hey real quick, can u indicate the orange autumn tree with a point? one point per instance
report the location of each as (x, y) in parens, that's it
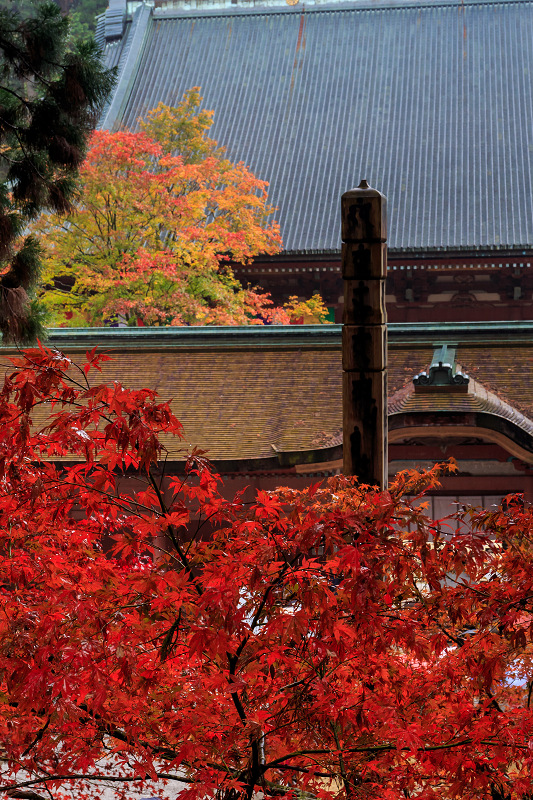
(156, 637)
(161, 216)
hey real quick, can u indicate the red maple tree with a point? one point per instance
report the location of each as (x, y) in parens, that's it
(319, 643)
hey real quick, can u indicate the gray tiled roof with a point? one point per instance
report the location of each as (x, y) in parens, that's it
(432, 103)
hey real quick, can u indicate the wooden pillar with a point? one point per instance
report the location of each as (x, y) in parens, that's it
(364, 334)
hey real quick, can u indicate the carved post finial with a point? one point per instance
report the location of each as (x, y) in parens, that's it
(364, 340)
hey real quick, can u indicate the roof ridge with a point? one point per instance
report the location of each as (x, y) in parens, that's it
(127, 67)
(328, 8)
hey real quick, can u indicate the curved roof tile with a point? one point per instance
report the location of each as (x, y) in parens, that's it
(477, 400)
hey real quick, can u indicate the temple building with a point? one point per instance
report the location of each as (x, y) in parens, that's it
(265, 402)
(430, 101)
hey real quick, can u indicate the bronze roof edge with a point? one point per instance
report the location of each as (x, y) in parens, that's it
(252, 336)
(283, 460)
(191, 337)
(317, 455)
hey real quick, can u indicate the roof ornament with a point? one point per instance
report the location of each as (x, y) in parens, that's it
(443, 372)
(115, 20)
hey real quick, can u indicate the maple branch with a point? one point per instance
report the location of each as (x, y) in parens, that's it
(260, 609)
(342, 767)
(111, 730)
(172, 531)
(232, 661)
(258, 768)
(123, 503)
(378, 748)
(389, 747)
(493, 702)
(102, 777)
(39, 735)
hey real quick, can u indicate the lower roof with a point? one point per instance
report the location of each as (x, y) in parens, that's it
(273, 395)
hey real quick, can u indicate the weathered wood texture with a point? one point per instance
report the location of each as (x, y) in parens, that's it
(364, 342)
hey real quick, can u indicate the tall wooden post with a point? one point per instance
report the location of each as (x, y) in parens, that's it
(364, 334)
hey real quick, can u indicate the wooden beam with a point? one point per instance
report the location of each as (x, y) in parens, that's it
(364, 340)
